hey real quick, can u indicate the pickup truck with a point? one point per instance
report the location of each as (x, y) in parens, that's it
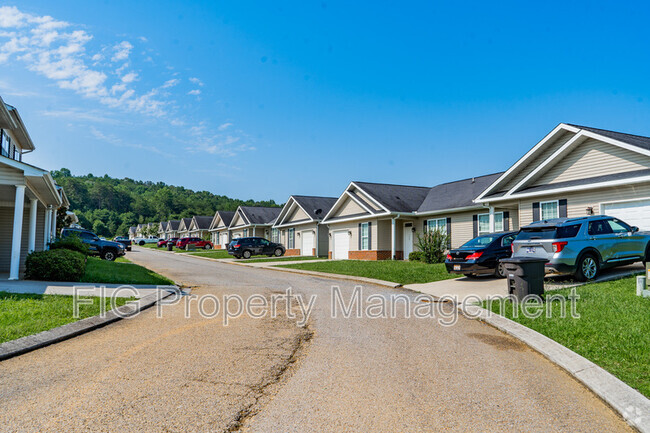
(107, 250)
(147, 240)
(124, 241)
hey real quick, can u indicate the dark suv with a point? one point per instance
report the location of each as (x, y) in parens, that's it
(247, 247)
(107, 250)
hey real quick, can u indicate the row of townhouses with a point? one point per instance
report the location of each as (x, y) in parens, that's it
(573, 171)
(29, 197)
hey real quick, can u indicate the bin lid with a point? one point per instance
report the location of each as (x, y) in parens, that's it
(524, 260)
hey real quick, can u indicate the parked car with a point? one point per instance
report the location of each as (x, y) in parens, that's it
(124, 241)
(148, 240)
(164, 242)
(247, 247)
(482, 255)
(184, 243)
(107, 250)
(582, 246)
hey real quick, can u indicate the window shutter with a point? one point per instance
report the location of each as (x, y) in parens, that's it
(506, 221)
(449, 232)
(536, 216)
(369, 235)
(562, 208)
(475, 224)
(424, 227)
(359, 236)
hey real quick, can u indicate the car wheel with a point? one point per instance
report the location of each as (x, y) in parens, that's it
(141, 243)
(587, 268)
(109, 255)
(500, 271)
(278, 252)
(246, 254)
(207, 247)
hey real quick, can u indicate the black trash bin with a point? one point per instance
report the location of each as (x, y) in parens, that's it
(525, 276)
(170, 246)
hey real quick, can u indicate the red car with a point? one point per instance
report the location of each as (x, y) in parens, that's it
(163, 242)
(183, 243)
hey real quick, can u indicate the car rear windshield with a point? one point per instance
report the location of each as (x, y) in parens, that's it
(481, 241)
(562, 232)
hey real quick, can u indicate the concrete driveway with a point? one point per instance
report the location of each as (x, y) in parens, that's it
(266, 375)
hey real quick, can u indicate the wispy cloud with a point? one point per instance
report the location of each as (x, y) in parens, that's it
(194, 92)
(122, 51)
(196, 81)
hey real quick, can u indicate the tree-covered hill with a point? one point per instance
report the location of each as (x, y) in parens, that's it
(110, 206)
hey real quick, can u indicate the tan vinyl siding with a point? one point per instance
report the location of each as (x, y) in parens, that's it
(11, 176)
(550, 148)
(594, 158)
(297, 215)
(237, 220)
(353, 226)
(349, 207)
(6, 233)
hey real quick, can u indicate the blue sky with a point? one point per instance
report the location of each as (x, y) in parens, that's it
(267, 99)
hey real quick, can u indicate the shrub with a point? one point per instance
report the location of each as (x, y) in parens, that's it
(71, 242)
(55, 265)
(416, 256)
(433, 245)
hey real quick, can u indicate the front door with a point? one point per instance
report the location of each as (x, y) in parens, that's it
(408, 239)
(307, 248)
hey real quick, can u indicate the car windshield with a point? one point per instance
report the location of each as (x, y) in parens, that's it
(563, 232)
(481, 241)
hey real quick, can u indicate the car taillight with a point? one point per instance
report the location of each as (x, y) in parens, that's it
(474, 256)
(449, 257)
(558, 246)
(236, 246)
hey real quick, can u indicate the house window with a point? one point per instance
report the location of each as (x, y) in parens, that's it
(245, 232)
(291, 238)
(4, 143)
(275, 235)
(365, 236)
(484, 223)
(439, 224)
(549, 209)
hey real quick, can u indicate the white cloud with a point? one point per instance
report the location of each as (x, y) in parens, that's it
(130, 77)
(224, 126)
(122, 51)
(196, 81)
(171, 83)
(194, 92)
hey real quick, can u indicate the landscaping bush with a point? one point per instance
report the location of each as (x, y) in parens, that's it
(71, 242)
(416, 256)
(55, 265)
(433, 245)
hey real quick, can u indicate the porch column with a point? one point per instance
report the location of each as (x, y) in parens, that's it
(48, 226)
(16, 240)
(31, 241)
(392, 239)
(492, 219)
(54, 212)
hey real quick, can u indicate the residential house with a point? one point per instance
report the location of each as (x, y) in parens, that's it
(253, 221)
(139, 230)
(132, 232)
(162, 228)
(184, 227)
(219, 228)
(200, 226)
(299, 226)
(171, 231)
(577, 171)
(29, 197)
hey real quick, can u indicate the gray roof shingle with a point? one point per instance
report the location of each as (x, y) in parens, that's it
(316, 207)
(260, 215)
(458, 194)
(634, 140)
(226, 216)
(173, 224)
(203, 222)
(396, 198)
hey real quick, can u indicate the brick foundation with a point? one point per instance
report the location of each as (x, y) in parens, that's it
(374, 255)
(292, 252)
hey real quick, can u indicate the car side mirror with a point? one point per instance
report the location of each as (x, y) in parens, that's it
(635, 229)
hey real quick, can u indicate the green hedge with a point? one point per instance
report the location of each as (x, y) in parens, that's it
(416, 256)
(71, 242)
(55, 265)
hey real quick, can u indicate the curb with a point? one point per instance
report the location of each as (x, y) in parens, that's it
(628, 402)
(29, 343)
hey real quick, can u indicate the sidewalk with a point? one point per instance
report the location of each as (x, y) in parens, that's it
(88, 289)
(461, 288)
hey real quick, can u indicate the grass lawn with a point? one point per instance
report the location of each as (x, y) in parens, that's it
(282, 259)
(398, 271)
(613, 330)
(154, 245)
(212, 254)
(120, 272)
(25, 314)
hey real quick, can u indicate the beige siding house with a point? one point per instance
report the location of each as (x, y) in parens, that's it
(171, 230)
(299, 226)
(200, 226)
(253, 221)
(184, 227)
(577, 171)
(219, 228)
(29, 197)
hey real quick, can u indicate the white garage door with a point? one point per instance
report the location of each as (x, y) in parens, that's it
(341, 245)
(307, 243)
(635, 213)
(224, 240)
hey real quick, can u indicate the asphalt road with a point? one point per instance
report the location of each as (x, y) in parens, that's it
(269, 375)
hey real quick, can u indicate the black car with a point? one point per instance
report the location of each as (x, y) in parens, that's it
(107, 250)
(124, 241)
(481, 255)
(247, 247)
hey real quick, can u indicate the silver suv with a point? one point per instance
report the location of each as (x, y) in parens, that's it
(582, 246)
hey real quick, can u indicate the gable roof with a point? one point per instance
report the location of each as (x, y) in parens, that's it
(395, 198)
(259, 215)
(226, 217)
(185, 224)
(172, 225)
(635, 140)
(201, 222)
(316, 207)
(457, 194)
